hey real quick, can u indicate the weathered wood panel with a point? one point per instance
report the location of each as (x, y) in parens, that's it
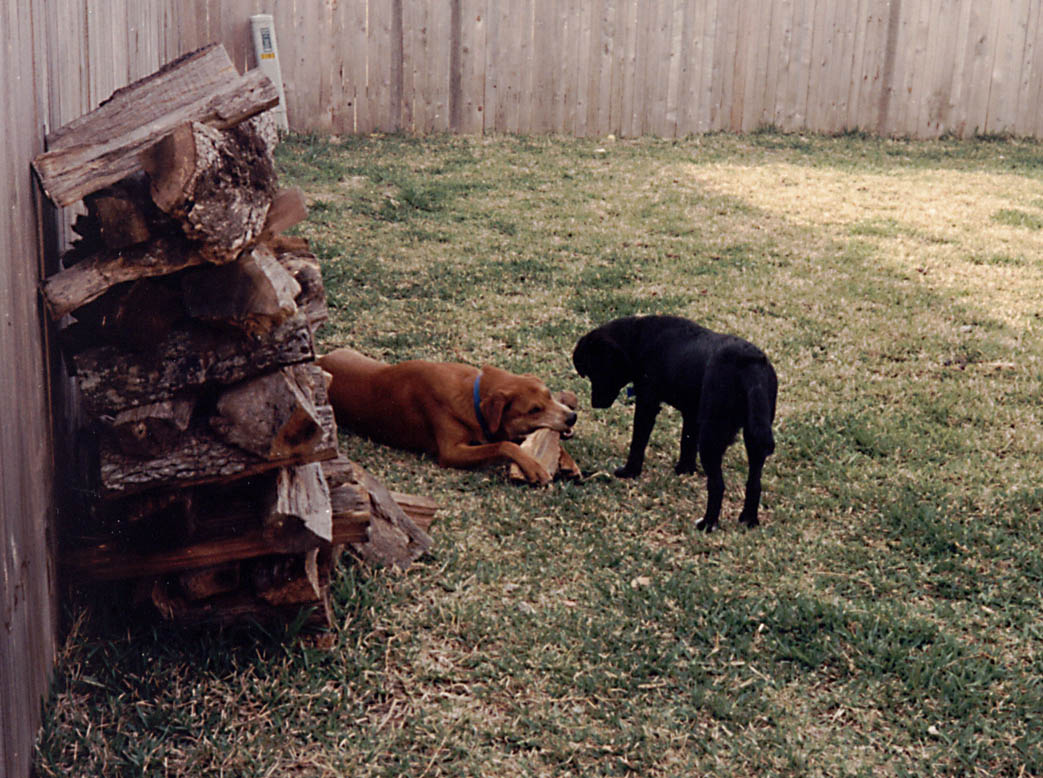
(58, 60)
(631, 67)
(27, 588)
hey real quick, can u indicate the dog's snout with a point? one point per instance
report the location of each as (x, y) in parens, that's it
(570, 418)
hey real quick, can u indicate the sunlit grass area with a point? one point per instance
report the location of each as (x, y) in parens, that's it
(885, 619)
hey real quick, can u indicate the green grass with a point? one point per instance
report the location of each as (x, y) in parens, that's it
(886, 617)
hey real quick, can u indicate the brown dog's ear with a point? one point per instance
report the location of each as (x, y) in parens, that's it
(567, 398)
(493, 407)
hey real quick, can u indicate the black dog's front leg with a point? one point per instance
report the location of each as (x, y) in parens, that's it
(644, 419)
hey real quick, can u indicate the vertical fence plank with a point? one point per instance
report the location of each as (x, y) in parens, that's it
(473, 53)
(573, 30)
(615, 17)
(819, 73)
(1006, 72)
(789, 66)
(1030, 121)
(586, 16)
(378, 64)
(983, 37)
(857, 80)
(758, 37)
(600, 67)
(628, 26)
(844, 23)
(540, 93)
(342, 115)
(933, 108)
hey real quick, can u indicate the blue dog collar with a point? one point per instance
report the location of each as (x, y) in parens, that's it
(478, 407)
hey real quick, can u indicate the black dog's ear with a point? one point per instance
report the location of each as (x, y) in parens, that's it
(602, 355)
(596, 349)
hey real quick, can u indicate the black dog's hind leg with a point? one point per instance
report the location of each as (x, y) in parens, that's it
(644, 419)
(689, 445)
(711, 456)
(757, 452)
(759, 440)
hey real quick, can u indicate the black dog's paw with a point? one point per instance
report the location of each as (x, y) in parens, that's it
(705, 526)
(684, 468)
(749, 521)
(626, 472)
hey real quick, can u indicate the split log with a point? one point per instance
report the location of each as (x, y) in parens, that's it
(392, 538)
(104, 145)
(122, 214)
(232, 608)
(255, 293)
(136, 315)
(350, 506)
(567, 467)
(202, 458)
(307, 272)
(150, 430)
(340, 472)
(210, 581)
(111, 379)
(299, 500)
(90, 278)
(544, 445)
(109, 562)
(295, 580)
(397, 531)
(288, 208)
(217, 184)
(147, 522)
(268, 416)
(420, 509)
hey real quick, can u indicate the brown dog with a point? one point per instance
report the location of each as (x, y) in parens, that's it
(465, 416)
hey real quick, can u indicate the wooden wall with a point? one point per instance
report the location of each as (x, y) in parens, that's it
(27, 631)
(919, 68)
(58, 59)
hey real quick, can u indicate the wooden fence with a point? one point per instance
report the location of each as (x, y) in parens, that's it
(918, 68)
(58, 59)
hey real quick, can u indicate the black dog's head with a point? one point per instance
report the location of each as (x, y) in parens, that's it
(598, 357)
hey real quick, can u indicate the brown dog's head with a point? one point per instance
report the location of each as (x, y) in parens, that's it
(515, 405)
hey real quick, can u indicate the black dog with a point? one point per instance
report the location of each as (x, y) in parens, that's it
(719, 383)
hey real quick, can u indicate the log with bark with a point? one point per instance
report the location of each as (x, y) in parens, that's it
(202, 458)
(111, 379)
(217, 184)
(104, 145)
(90, 278)
(255, 293)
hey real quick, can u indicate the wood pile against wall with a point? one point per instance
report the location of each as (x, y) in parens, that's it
(219, 489)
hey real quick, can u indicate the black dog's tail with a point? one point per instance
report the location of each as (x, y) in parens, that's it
(760, 409)
(761, 386)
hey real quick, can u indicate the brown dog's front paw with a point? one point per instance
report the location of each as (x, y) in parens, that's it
(535, 473)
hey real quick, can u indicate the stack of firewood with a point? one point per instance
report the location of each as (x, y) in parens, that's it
(189, 319)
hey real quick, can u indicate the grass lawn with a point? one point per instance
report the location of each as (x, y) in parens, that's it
(885, 619)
